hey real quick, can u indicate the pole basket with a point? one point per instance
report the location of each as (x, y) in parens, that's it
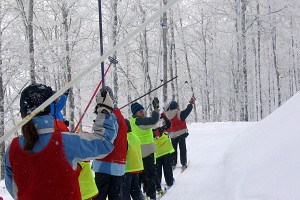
(112, 60)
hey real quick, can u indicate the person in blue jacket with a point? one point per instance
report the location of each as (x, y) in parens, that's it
(42, 163)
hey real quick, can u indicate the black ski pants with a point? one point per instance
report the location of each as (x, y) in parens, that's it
(108, 186)
(148, 176)
(164, 162)
(131, 187)
(180, 140)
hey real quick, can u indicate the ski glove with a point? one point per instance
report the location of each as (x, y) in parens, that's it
(192, 100)
(104, 102)
(66, 93)
(155, 103)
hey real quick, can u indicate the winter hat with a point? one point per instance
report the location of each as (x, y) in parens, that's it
(172, 105)
(33, 96)
(135, 107)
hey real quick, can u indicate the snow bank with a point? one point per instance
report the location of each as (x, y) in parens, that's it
(264, 162)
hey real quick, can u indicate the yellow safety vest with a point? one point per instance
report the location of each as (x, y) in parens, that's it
(88, 187)
(163, 145)
(145, 136)
(134, 161)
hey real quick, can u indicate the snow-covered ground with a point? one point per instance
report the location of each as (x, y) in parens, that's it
(240, 161)
(204, 179)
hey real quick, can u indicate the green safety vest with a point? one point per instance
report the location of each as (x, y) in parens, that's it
(88, 187)
(145, 136)
(163, 145)
(134, 161)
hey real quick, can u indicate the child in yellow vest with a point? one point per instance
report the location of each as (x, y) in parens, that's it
(134, 166)
(163, 155)
(88, 188)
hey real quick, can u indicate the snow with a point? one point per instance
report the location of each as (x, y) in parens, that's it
(264, 162)
(240, 161)
(206, 145)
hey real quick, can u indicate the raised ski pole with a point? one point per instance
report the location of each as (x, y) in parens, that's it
(112, 61)
(149, 92)
(101, 42)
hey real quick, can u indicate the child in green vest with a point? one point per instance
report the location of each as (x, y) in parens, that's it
(163, 155)
(134, 166)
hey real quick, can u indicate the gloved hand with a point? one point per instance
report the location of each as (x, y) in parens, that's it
(155, 103)
(67, 92)
(163, 115)
(192, 100)
(105, 103)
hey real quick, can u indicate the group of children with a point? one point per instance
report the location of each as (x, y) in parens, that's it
(49, 162)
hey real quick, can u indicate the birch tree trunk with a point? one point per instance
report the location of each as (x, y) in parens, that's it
(2, 125)
(244, 61)
(114, 25)
(258, 78)
(275, 65)
(188, 66)
(171, 66)
(206, 103)
(65, 15)
(164, 24)
(236, 71)
(30, 41)
(27, 21)
(174, 56)
(255, 88)
(79, 108)
(294, 77)
(145, 57)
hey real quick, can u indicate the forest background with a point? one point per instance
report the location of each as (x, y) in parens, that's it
(239, 58)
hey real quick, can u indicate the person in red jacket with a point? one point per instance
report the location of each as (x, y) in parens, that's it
(110, 170)
(42, 162)
(178, 130)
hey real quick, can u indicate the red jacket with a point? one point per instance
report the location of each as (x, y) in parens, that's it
(44, 175)
(118, 155)
(177, 124)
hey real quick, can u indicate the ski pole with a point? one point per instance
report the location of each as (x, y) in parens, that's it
(112, 60)
(101, 41)
(149, 92)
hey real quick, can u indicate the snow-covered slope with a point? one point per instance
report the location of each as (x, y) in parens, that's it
(204, 178)
(264, 162)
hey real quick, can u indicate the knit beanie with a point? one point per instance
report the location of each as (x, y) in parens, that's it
(172, 105)
(135, 107)
(33, 96)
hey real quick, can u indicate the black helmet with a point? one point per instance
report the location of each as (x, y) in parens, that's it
(33, 96)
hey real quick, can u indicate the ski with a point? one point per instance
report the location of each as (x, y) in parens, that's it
(183, 168)
(161, 195)
(165, 191)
